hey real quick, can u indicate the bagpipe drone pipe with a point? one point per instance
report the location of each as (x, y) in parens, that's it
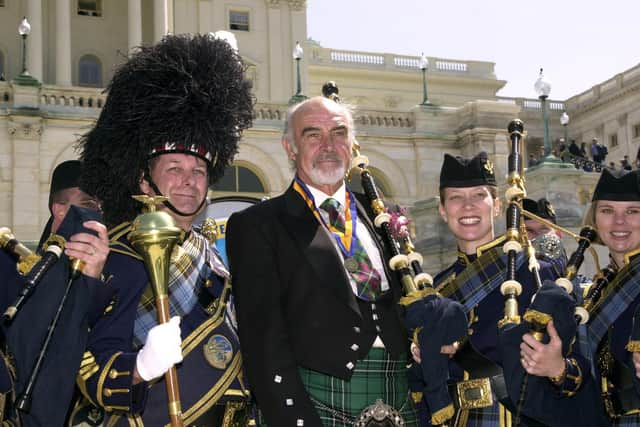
(549, 401)
(46, 327)
(433, 320)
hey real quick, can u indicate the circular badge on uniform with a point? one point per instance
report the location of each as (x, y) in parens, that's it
(218, 351)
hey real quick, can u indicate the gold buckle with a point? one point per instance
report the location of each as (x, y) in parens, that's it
(474, 394)
(230, 411)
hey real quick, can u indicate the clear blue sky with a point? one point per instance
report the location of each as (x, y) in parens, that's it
(578, 43)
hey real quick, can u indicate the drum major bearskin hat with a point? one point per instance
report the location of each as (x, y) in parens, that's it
(185, 94)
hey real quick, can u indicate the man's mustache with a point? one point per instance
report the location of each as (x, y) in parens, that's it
(327, 157)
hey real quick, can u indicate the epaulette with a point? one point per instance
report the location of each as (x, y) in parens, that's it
(117, 245)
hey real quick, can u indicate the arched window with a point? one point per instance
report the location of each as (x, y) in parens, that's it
(90, 71)
(239, 179)
(355, 183)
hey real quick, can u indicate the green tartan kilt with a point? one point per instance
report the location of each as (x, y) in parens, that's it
(378, 376)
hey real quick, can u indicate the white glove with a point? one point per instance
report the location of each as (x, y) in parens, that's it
(161, 351)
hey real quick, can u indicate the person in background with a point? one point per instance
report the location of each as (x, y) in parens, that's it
(583, 150)
(574, 150)
(545, 239)
(65, 192)
(594, 149)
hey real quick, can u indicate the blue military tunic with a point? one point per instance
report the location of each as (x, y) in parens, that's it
(211, 372)
(483, 323)
(615, 310)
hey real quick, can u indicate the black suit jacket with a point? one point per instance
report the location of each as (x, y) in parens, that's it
(296, 307)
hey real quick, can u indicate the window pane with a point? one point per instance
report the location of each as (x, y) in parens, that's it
(239, 20)
(248, 182)
(89, 73)
(90, 7)
(228, 181)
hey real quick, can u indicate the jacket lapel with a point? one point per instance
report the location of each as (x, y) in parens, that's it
(318, 248)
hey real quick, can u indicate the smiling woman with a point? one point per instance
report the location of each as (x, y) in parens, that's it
(615, 212)
(468, 205)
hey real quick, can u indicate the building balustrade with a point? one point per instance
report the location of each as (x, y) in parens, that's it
(533, 103)
(588, 98)
(361, 117)
(54, 96)
(380, 119)
(346, 58)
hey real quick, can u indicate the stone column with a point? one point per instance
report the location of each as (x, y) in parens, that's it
(25, 192)
(34, 48)
(135, 23)
(160, 19)
(63, 42)
(280, 81)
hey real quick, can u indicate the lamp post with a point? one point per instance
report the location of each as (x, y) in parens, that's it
(24, 29)
(24, 78)
(564, 121)
(298, 53)
(424, 63)
(543, 88)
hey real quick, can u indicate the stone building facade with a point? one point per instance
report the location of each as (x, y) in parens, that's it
(74, 46)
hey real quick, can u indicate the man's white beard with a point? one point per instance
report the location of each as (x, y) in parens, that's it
(332, 177)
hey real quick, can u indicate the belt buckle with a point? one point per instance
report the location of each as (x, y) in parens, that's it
(474, 394)
(379, 413)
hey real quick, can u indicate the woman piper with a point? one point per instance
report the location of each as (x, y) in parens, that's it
(469, 205)
(615, 295)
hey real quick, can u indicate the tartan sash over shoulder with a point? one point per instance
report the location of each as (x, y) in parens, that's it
(479, 278)
(621, 292)
(192, 262)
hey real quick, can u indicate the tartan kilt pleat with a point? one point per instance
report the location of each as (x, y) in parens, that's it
(378, 376)
(494, 416)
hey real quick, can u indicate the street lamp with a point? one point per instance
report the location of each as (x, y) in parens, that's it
(24, 29)
(24, 78)
(543, 88)
(298, 53)
(564, 121)
(424, 63)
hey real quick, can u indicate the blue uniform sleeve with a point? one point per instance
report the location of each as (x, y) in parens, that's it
(106, 370)
(572, 378)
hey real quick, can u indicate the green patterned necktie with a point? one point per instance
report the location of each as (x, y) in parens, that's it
(359, 266)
